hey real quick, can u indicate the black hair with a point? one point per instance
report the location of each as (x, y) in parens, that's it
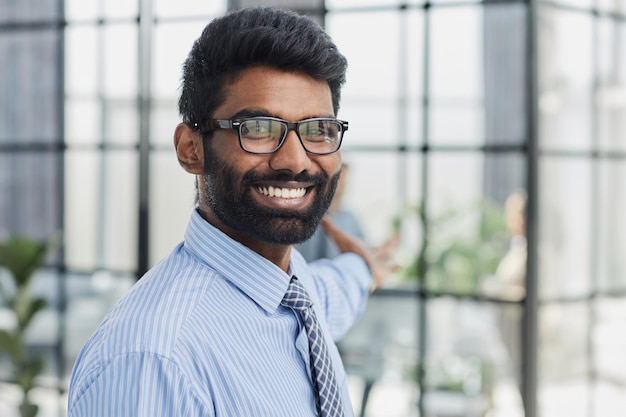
(251, 37)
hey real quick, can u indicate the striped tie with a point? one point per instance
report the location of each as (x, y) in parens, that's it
(327, 395)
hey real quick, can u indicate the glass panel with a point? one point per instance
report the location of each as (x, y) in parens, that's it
(468, 368)
(611, 6)
(168, 8)
(403, 40)
(611, 92)
(467, 231)
(83, 121)
(453, 1)
(30, 11)
(30, 190)
(163, 120)
(93, 9)
(611, 247)
(172, 43)
(564, 228)
(47, 399)
(118, 219)
(374, 195)
(567, 397)
(505, 172)
(584, 4)
(565, 100)
(361, 113)
(380, 356)
(120, 8)
(82, 9)
(120, 46)
(82, 60)
(608, 399)
(30, 82)
(102, 60)
(563, 360)
(505, 73)
(412, 88)
(100, 215)
(456, 97)
(82, 210)
(308, 5)
(362, 99)
(171, 203)
(121, 122)
(608, 338)
(509, 319)
(345, 28)
(341, 4)
(395, 99)
(456, 121)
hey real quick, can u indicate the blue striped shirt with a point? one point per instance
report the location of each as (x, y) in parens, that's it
(203, 334)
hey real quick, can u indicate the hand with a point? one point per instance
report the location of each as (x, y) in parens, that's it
(378, 259)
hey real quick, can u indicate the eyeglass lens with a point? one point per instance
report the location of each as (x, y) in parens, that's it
(265, 136)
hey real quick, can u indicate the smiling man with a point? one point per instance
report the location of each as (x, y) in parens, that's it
(266, 180)
(234, 322)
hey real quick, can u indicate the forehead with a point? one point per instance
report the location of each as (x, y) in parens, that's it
(288, 95)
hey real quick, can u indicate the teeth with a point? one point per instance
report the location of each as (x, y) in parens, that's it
(282, 192)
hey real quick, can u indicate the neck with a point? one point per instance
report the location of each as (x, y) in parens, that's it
(279, 255)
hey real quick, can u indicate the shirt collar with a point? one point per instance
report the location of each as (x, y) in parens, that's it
(261, 280)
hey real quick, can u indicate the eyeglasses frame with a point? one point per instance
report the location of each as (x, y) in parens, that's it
(235, 124)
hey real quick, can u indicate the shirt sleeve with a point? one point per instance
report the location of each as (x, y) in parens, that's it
(138, 385)
(343, 286)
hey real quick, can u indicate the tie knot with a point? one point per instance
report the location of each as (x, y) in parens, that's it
(296, 296)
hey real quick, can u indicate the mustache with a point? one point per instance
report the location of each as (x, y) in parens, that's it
(250, 178)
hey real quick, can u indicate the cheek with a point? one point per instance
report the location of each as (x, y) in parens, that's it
(331, 164)
(234, 158)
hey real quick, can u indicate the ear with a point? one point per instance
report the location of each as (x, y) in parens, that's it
(189, 149)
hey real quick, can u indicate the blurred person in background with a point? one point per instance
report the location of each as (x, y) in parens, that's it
(321, 245)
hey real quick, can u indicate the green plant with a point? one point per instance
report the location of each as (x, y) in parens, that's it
(461, 246)
(21, 257)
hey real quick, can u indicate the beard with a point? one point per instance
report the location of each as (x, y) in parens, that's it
(229, 195)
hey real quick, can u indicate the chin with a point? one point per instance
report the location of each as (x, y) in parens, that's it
(286, 231)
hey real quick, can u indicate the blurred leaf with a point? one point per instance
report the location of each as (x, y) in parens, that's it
(453, 259)
(22, 256)
(4, 297)
(28, 373)
(26, 307)
(28, 409)
(10, 344)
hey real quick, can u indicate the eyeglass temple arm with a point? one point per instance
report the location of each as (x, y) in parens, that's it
(217, 124)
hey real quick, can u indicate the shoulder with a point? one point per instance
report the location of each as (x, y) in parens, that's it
(136, 384)
(151, 317)
(141, 339)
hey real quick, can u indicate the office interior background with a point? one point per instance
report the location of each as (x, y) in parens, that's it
(490, 135)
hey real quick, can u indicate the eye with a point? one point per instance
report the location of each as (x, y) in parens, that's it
(320, 130)
(256, 129)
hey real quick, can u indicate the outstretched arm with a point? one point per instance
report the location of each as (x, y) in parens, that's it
(378, 259)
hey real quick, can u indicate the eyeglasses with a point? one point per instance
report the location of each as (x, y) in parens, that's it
(265, 135)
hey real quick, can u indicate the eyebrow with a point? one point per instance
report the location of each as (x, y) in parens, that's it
(241, 114)
(245, 113)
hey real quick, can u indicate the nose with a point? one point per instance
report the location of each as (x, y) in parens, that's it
(291, 156)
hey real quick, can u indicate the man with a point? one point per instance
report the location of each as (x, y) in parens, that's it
(211, 331)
